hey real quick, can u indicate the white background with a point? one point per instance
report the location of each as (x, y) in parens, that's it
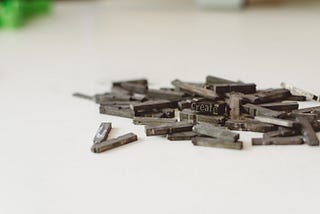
(45, 161)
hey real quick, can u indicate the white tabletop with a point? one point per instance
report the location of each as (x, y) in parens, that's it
(46, 134)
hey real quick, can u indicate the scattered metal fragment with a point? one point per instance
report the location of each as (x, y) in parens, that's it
(296, 140)
(296, 98)
(168, 128)
(195, 89)
(249, 125)
(157, 113)
(83, 96)
(102, 133)
(310, 116)
(216, 132)
(134, 88)
(297, 91)
(136, 81)
(234, 104)
(182, 136)
(309, 135)
(312, 110)
(282, 132)
(151, 105)
(218, 143)
(165, 94)
(103, 98)
(120, 111)
(119, 103)
(188, 115)
(114, 143)
(152, 121)
(246, 88)
(277, 121)
(255, 110)
(210, 80)
(281, 106)
(267, 96)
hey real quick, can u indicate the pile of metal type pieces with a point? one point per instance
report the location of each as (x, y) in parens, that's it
(209, 113)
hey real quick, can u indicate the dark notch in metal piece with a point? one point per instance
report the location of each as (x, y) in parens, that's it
(114, 143)
(188, 115)
(168, 128)
(102, 133)
(249, 125)
(152, 121)
(181, 136)
(216, 132)
(309, 135)
(203, 92)
(184, 104)
(255, 110)
(218, 143)
(296, 140)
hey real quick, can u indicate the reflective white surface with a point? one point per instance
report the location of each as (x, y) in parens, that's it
(45, 159)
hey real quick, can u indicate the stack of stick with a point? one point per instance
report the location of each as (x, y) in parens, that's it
(210, 112)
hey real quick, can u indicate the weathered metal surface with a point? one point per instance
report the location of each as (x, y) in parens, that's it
(277, 121)
(165, 94)
(120, 111)
(281, 106)
(249, 125)
(309, 135)
(216, 132)
(282, 132)
(195, 89)
(246, 88)
(152, 121)
(102, 133)
(218, 143)
(151, 105)
(182, 136)
(210, 80)
(114, 143)
(267, 96)
(234, 104)
(296, 140)
(168, 128)
(255, 110)
(136, 81)
(298, 91)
